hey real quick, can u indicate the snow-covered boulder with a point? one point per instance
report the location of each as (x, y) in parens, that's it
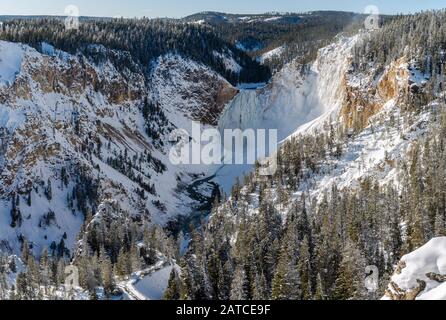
(421, 275)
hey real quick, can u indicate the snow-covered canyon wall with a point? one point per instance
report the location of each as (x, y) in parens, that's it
(78, 135)
(295, 96)
(296, 99)
(421, 275)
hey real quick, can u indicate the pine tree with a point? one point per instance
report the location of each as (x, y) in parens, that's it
(28, 201)
(320, 291)
(173, 288)
(123, 265)
(22, 286)
(224, 281)
(396, 241)
(286, 281)
(135, 260)
(260, 290)
(350, 280)
(186, 279)
(304, 267)
(25, 251)
(49, 190)
(240, 285)
(107, 275)
(3, 286)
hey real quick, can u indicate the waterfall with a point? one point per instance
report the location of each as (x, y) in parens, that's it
(297, 98)
(296, 95)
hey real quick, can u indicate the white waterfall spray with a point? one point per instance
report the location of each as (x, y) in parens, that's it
(296, 95)
(297, 99)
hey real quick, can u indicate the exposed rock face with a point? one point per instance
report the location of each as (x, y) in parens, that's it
(46, 94)
(364, 99)
(72, 75)
(296, 95)
(395, 81)
(396, 293)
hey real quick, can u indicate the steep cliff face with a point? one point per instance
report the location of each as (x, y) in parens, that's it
(298, 99)
(190, 89)
(302, 100)
(78, 131)
(366, 96)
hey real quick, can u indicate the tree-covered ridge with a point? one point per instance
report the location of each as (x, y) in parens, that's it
(144, 39)
(266, 243)
(420, 37)
(301, 35)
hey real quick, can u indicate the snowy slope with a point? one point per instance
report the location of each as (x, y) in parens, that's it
(10, 62)
(418, 270)
(152, 286)
(64, 113)
(376, 152)
(149, 284)
(324, 94)
(302, 94)
(296, 96)
(188, 90)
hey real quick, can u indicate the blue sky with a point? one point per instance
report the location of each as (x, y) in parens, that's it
(179, 8)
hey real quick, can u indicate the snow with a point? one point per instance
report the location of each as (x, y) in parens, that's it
(302, 95)
(152, 287)
(430, 258)
(9, 118)
(277, 52)
(437, 293)
(244, 18)
(272, 19)
(252, 19)
(228, 61)
(48, 49)
(151, 283)
(251, 86)
(41, 237)
(11, 55)
(200, 22)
